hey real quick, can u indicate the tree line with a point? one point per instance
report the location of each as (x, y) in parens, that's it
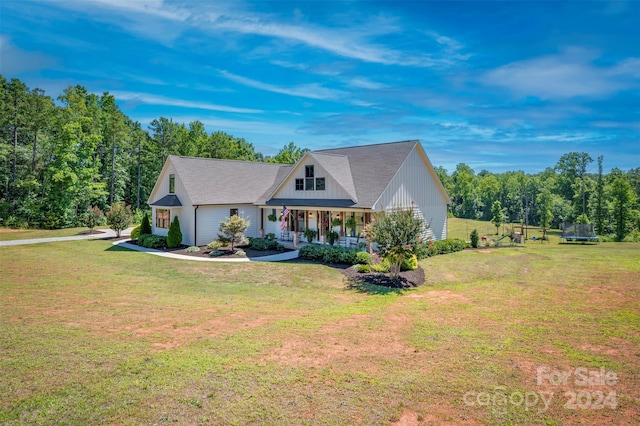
(565, 192)
(59, 157)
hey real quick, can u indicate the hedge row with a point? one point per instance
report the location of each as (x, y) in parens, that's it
(330, 254)
(450, 245)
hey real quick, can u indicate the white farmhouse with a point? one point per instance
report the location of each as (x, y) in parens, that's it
(338, 189)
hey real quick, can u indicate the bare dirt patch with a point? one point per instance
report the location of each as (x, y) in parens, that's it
(354, 339)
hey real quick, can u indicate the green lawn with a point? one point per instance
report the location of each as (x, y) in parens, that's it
(461, 228)
(95, 334)
(8, 234)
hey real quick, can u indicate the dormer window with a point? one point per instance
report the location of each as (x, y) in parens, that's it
(172, 184)
(308, 171)
(308, 178)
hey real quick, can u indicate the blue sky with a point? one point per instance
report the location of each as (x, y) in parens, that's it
(497, 85)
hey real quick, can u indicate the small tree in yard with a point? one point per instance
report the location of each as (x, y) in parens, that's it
(93, 217)
(474, 238)
(119, 217)
(145, 225)
(174, 236)
(233, 229)
(497, 215)
(397, 234)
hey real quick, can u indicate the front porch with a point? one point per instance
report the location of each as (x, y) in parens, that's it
(344, 226)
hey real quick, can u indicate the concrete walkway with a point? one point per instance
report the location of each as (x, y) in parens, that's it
(273, 258)
(105, 233)
(109, 233)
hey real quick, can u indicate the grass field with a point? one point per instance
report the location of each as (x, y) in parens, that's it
(94, 334)
(461, 228)
(8, 234)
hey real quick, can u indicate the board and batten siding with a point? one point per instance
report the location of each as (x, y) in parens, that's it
(415, 183)
(184, 213)
(209, 218)
(332, 189)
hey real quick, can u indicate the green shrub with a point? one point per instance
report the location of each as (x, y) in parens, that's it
(328, 254)
(381, 267)
(135, 233)
(263, 244)
(311, 252)
(145, 225)
(270, 236)
(474, 238)
(363, 257)
(192, 249)
(449, 245)
(409, 263)
(174, 238)
(241, 253)
(216, 253)
(152, 241)
(215, 245)
(363, 269)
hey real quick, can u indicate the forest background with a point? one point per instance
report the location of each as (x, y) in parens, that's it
(59, 157)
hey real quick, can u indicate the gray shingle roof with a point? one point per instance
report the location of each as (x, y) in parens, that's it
(170, 200)
(214, 181)
(373, 167)
(363, 171)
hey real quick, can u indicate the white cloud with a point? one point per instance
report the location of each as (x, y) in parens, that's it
(312, 91)
(161, 100)
(571, 73)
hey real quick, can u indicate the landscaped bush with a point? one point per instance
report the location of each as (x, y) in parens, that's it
(264, 244)
(145, 225)
(192, 249)
(241, 253)
(448, 246)
(214, 245)
(329, 254)
(383, 266)
(363, 257)
(474, 238)
(216, 253)
(174, 237)
(409, 263)
(135, 233)
(363, 269)
(421, 249)
(152, 241)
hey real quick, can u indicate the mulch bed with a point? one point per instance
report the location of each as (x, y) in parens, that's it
(227, 253)
(406, 279)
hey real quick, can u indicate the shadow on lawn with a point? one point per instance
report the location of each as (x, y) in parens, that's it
(368, 288)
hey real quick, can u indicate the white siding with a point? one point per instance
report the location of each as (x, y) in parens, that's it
(209, 218)
(414, 183)
(184, 213)
(332, 189)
